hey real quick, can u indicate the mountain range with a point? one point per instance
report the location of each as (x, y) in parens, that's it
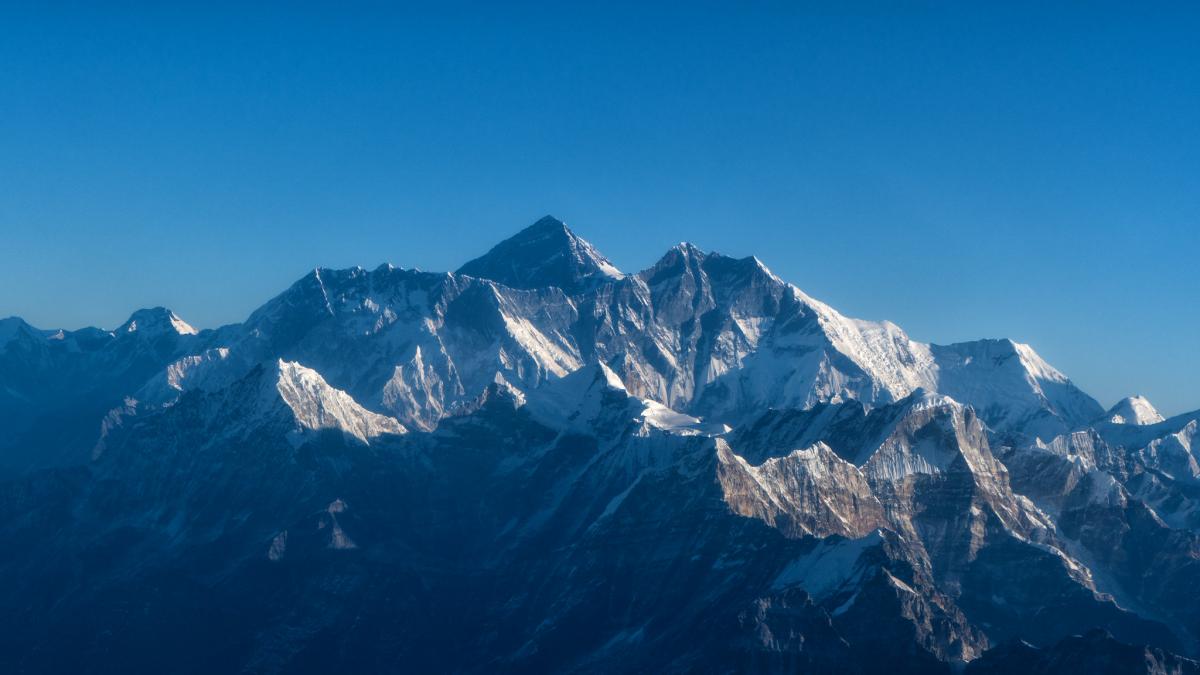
(540, 463)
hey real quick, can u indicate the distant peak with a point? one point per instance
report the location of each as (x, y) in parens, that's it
(544, 254)
(1134, 410)
(10, 327)
(13, 323)
(155, 321)
(677, 259)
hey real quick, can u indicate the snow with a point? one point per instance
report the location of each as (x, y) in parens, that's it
(1036, 365)
(812, 490)
(548, 353)
(594, 395)
(177, 372)
(425, 343)
(1134, 410)
(896, 365)
(544, 254)
(576, 400)
(898, 584)
(659, 416)
(154, 322)
(615, 502)
(182, 327)
(1012, 387)
(416, 391)
(831, 565)
(316, 405)
(1105, 490)
(704, 334)
(209, 370)
(892, 456)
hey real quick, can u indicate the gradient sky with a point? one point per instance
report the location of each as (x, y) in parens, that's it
(964, 171)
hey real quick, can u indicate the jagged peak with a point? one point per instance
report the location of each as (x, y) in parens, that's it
(688, 249)
(542, 255)
(686, 258)
(682, 253)
(678, 259)
(903, 445)
(316, 405)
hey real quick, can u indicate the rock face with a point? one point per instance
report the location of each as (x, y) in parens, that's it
(539, 463)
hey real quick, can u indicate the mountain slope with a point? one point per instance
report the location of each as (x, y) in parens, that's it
(541, 464)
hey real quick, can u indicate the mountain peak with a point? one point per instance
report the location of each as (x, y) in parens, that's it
(1133, 410)
(547, 253)
(689, 249)
(316, 405)
(548, 223)
(1012, 387)
(11, 326)
(155, 321)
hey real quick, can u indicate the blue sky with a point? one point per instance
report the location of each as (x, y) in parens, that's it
(962, 170)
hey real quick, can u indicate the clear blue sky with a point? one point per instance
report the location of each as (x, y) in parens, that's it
(964, 171)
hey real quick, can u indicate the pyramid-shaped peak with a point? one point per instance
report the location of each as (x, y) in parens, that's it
(547, 253)
(1134, 410)
(546, 224)
(155, 321)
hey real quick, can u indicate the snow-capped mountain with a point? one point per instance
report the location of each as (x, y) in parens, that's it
(544, 254)
(541, 463)
(1012, 388)
(1133, 410)
(701, 333)
(151, 324)
(316, 405)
